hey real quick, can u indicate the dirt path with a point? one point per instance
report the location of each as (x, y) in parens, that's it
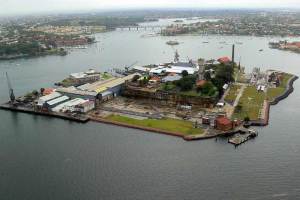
(236, 101)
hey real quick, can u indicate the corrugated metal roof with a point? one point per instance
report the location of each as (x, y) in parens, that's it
(48, 97)
(76, 92)
(57, 100)
(70, 103)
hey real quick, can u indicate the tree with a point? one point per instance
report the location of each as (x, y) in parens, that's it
(239, 108)
(208, 88)
(184, 73)
(207, 76)
(247, 119)
(42, 90)
(186, 83)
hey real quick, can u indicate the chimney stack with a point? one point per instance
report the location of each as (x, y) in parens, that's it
(232, 58)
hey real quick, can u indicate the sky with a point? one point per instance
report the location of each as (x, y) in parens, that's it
(12, 7)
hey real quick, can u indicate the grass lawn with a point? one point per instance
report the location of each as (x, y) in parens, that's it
(233, 92)
(106, 76)
(167, 86)
(251, 102)
(275, 92)
(167, 124)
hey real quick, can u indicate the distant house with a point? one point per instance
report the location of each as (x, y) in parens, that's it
(154, 79)
(48, 91)
(224, 60)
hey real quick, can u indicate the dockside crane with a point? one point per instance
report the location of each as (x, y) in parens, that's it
(128, 67)
(10, 89)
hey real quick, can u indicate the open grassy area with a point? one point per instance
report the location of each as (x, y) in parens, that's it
(233, 92)
(167, 86)
(106, 76)
(251, 102)
(167, 124)
(275, 92)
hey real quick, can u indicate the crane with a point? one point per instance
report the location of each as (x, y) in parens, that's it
(127, 67)
(11, 91)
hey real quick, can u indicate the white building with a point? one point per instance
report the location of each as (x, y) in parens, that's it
(42, 100)
(69, 105)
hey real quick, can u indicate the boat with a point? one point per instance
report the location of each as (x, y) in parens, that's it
(261, 50)
(172, 43)
(178, 21)
(149, 35)
(205, 42)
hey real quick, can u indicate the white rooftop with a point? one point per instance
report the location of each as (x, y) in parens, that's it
(57, 100)
(70, 103)
(48, 97)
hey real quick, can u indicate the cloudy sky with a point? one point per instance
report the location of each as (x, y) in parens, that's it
(8, 7)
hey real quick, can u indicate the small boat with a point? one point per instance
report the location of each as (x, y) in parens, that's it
(172, 43)
(178, 21)
(149, 35)
(205, 42)
(261, 50)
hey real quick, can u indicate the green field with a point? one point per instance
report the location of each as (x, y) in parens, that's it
(166, 124)
(251, 102)
(106, 76)
(233, 92)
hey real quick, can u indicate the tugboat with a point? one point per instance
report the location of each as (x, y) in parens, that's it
(172, 43)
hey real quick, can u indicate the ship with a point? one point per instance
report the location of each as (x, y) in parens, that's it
(172, 43)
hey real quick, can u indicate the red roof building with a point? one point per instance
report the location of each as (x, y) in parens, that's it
(48, 91)
(224, 60)
(224, 124)
(154, 79)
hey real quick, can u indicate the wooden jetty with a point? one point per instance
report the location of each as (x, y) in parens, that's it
(239, 139)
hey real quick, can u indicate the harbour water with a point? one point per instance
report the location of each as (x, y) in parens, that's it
(46, 158)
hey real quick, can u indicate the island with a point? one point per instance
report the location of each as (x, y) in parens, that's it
(192, 100)
(286, 46)
(248, 23)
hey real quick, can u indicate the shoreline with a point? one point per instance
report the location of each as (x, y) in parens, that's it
(155, 130)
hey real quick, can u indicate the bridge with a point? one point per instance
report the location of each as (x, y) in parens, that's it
(137, 28)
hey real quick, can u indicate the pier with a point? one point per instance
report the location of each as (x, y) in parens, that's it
(71, 117)
(241, 138)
